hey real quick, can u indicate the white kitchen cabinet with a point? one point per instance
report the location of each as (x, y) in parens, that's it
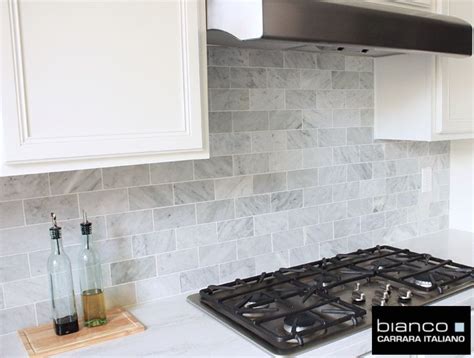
(426, 97)
(101, 83)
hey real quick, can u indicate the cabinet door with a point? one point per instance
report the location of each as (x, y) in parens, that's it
(102, 83)
(455, 78)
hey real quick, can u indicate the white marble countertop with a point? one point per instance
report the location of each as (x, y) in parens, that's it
(175, 327)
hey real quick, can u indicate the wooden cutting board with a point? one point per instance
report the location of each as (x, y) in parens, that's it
(42, 341)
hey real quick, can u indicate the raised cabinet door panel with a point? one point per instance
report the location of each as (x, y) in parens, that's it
(456, 79)
(85, 80)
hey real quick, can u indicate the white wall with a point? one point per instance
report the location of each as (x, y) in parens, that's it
(461, 212)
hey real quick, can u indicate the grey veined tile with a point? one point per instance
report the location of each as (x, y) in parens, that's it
(251, 164)
(317, 118)
(345, 191)
(317, 233)
(331, 212)
(252, 205)
(287, 239)
(14, 268)
(133, 270)
(366, 80)
(317, 195)
(215, 211)
(285, 119)
(248, 77)
(11, 214)
(359, 98)
(229, 143)
(270, 223)
(217, 167)
(158, 287)
(300, 99)
(235, 229)
(129, 223)
(317, 157)
(265, 58)
(287, 200)
(218, 77)
(193, 191)
(24, 186)
(346, 154)
(330, 61)
(154, 243)
(38, 210)
(199, 278)
(295, 59)
(303, 217)
(104, 202)
(131, 175)
(285, 160)
(361, 64)
(254, 246)
(283, 78)
(330, 99)
(304, 254)
(171, 172)
(152, 196)
(346, 118)
(315, 79)
(248, 121)
(229, 99)
(302, 178)
(217, 253)
(174, 216)
(361, 171)
(228, 56)
(17, 318)
(345, 80)
(360, 135)
(267, 183)
(299, 139)
(75, 181)
(269, 141)
(267, 99)
(329, 137)
(332, 175)
(346, 227)
(333, 247)
(231, 270)
(233, 187)
(176, 261)
(219, 122)
(194, 236)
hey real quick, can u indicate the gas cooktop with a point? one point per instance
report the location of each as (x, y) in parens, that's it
(298, 308)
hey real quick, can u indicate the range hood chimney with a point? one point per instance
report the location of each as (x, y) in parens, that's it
(349, 26)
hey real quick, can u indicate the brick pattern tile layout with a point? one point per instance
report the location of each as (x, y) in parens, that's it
(294, 175)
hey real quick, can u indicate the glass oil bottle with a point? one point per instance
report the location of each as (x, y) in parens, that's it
(63, 302)
(90, 279)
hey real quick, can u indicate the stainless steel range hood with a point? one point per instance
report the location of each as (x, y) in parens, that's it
(350, 26)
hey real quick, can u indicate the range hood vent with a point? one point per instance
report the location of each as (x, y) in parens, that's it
(349, 26)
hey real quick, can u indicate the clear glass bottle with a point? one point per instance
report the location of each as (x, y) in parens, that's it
(90, 278)
(63, 302)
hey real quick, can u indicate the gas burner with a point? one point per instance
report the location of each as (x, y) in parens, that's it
(325, 280)
(423, 280)
(381, 264)
(255, 299)
(299, 322)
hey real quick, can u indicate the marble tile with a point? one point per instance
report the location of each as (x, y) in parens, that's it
(329, 137)
(254, 246)
(346, 154)
(237, 269)
(346, 118)
(195, 236)
(406, 166)
(251, 164)
(333, 247)
(360, 207)
(219, 122)
(303, 255)
(233, 187)
(176, 261)
(286, 160)
(396, 184)
(38, 210)
(331, 212)
(133, 270)
(24, 186)
(213, 168)
(330, 99)
(283, 78)
(345, 191)
(287, 200)
(384, 203)
(372, 222)
(265, 58)
(287, 239)
(360, 241)
(235, 229)
(270, 141)
(230, 143)
(24, 292)
(299, 139)
(345, 80)
(330, 61)
(217, 253)
(218, 77)
(113, 250)
(70, 229)
(154, 243)
(395, 234)
(315, 79)
(375, 187)
(303, 217)
(215, 211)
(317, 118)
(293, 59)
(193, 192)
(332, 175)
(248, 121)
(441, 147)
(371, 152)
(302, 178)
(158, 287)
(439, 208)
(267, 99)
(396, 217)
(270, 223)
(361, 171)
(318, 233)
(2, 303)
(11, 214)
(279, 120)
(228, 56)
(317, 195)
(359, 98)
(252, 205)
(171, 172)
(196, 279)
(104, 202)
(229, 99)
(418, 149)
(396, 150)
(367, 117)
(362, 135)
(317, 157)
(119, 296)
(272, 261)
(75, 181)
(131, 223)
(408, 198)
(24, 239)
(366, 80)
(361, 64)
(175, 216)
(267, 183)
(244, 77)
(152, 196)
(120, 177)
(300, 99)
(17, 318)
(14, 268)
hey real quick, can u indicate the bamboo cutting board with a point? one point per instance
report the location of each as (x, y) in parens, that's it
(41, 341)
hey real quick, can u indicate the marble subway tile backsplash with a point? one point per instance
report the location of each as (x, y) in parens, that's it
(294, 175)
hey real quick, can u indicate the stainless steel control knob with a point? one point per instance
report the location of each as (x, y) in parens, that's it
(404, 294)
